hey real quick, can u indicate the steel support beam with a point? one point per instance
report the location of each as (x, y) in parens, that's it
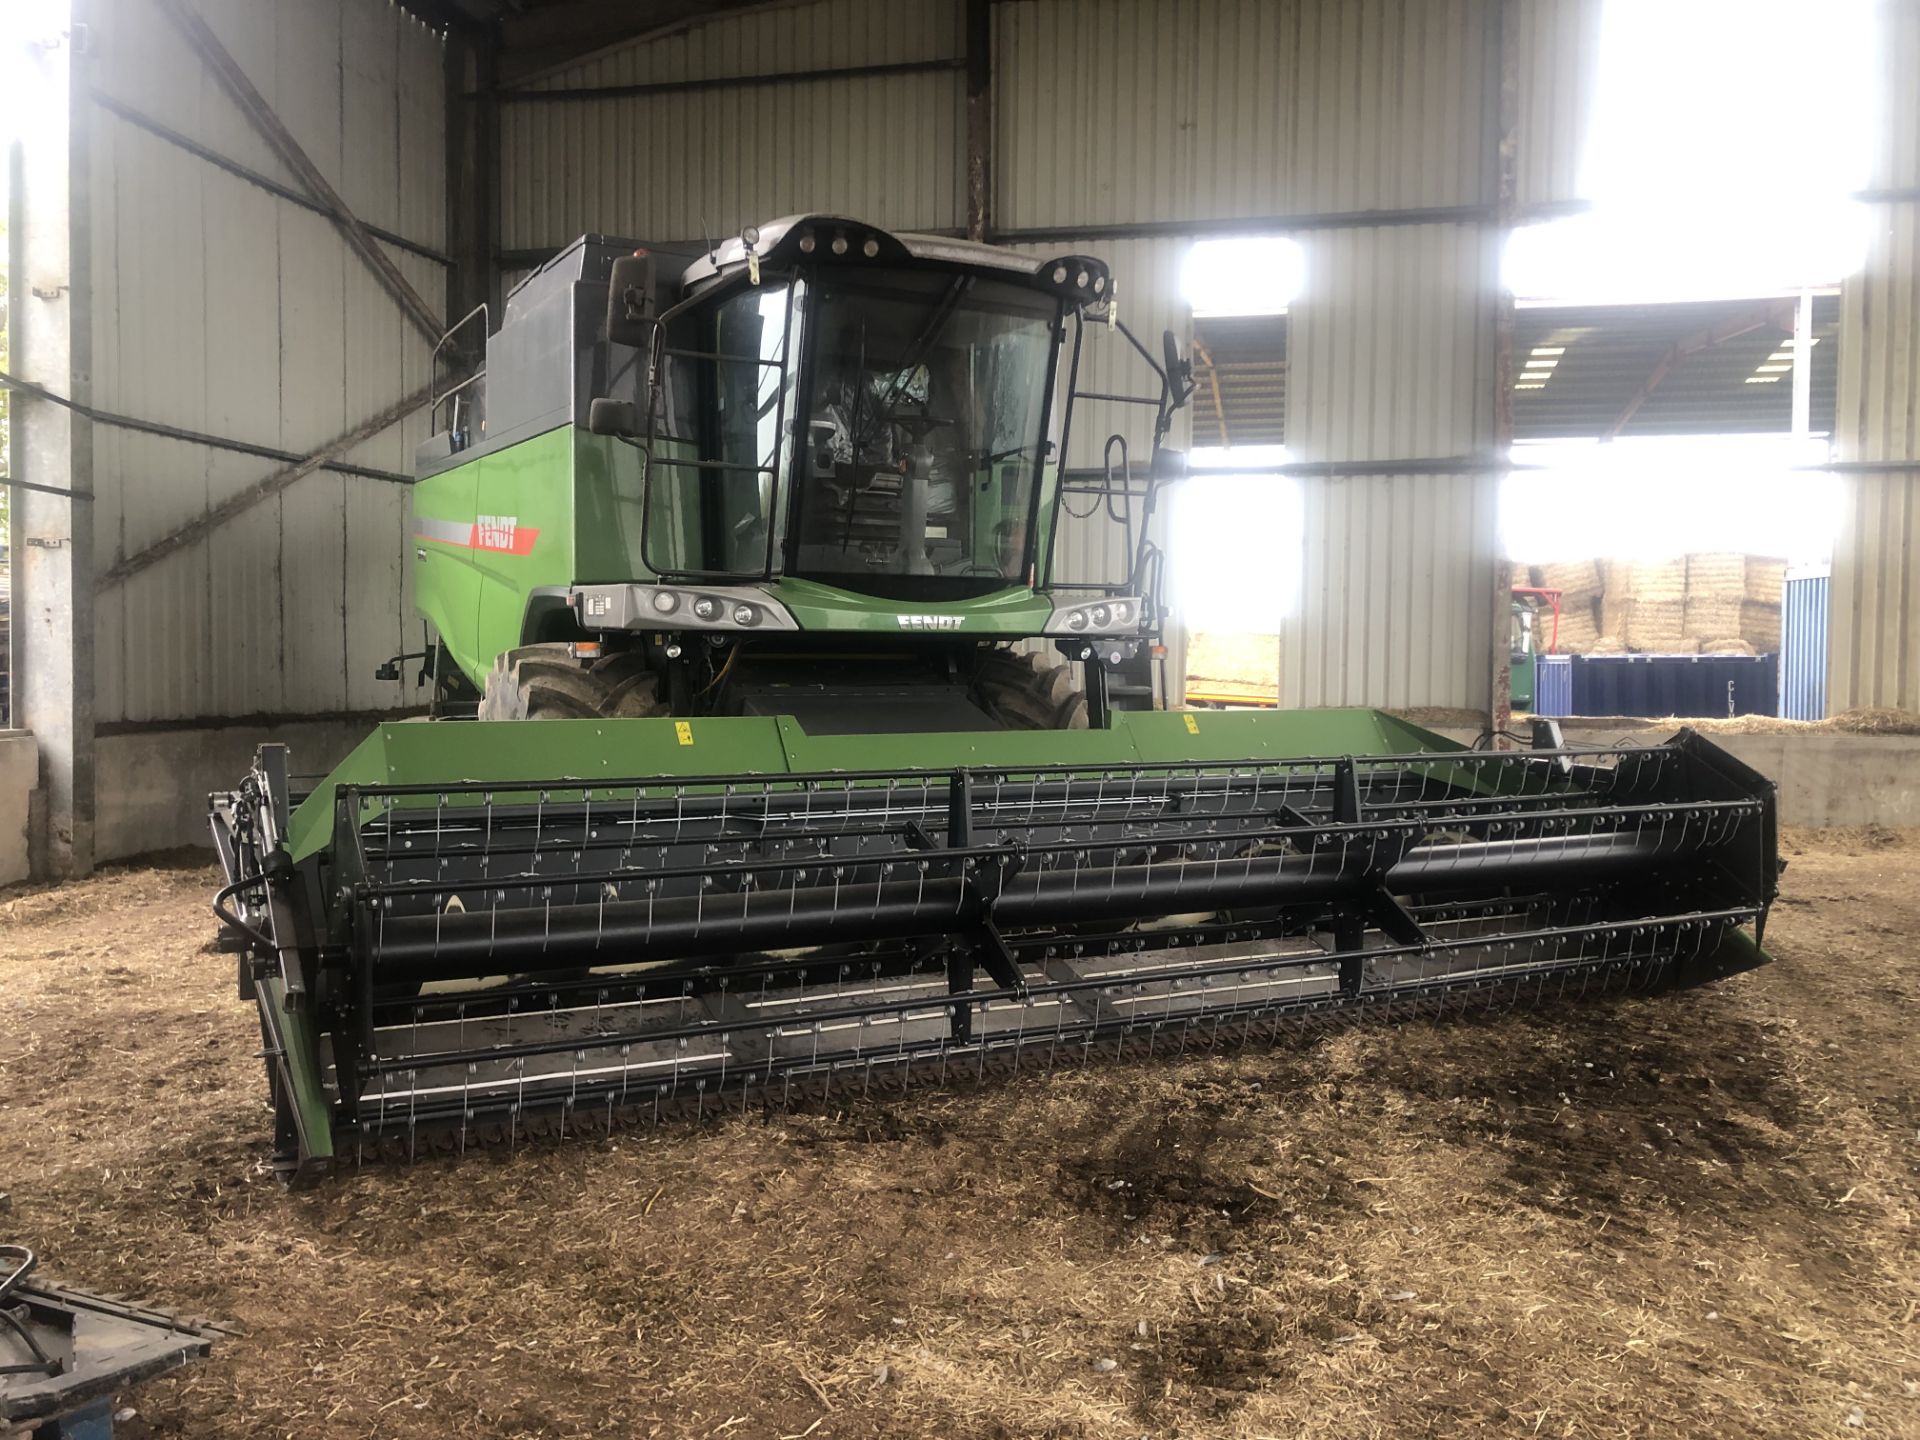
(473, 148)
(226, 70)
(1503, 131)
(1778, 313)
(262, 489)
(253, 177)
(979, 60)
(52, 448)
(1205, 357)
(578, 93)
(1803, 365)
(540, 40)
(1247, 225)
(189, 437)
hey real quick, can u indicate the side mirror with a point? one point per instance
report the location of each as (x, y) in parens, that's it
(613, 417)
(1168, 464)
(630, 301)
(1179, 370)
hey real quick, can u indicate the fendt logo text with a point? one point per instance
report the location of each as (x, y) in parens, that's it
(928, 622)
(495, 532)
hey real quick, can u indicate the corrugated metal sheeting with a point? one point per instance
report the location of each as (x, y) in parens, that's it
(221, 308)
(1803, 644)
(1392, 356)
(1127, 111)
(1875, 657)
(1875, 600)
(674, 166)
(1558, 53)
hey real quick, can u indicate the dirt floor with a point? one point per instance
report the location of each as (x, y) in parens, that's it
(1691, 1215)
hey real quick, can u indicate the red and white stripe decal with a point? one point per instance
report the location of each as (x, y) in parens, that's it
(499, 534)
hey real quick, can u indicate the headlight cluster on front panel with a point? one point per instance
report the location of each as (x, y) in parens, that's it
(678, 607)
(1120, 615)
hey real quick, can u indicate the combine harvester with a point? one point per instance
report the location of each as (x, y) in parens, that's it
(759, 545)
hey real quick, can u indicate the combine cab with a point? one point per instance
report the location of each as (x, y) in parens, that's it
(795, 813)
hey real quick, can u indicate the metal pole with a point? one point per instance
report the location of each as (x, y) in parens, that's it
(1803, 366)
(53, 450)
(979, 23)
(1505, 129)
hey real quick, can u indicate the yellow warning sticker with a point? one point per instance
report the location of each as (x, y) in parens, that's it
(684, 730)
(1193, 725)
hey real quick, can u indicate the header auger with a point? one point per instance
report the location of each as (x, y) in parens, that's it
(756, 551)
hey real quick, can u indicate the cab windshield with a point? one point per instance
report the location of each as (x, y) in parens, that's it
(922, 428)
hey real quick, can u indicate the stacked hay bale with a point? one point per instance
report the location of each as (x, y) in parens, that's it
(1717, 602)
(1765, 585)
(1233, 666)
(1656, 605)
(1716, 583)
(1580, 585)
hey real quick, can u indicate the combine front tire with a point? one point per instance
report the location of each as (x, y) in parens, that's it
(1029, 692)
(544, 682)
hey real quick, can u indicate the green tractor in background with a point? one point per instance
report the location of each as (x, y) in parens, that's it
(778, 749)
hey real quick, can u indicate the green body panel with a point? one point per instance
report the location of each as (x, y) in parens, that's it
(607, 476)
(292, 1029)
(1521, 681)
(580, 753)
(475, 592)
(446, 587)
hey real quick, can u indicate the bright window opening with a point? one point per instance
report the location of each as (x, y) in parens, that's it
(1656, 497)
(1237, 541)
(1243, 275)
(1237, 537)
(1690, 201)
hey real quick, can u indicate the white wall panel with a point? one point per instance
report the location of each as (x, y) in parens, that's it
(1391, 358)
(1874, 645)
(1127, 111)
(1558, 52)
(1897, 57)
(221, 308)
(670, 167)
(1390, 345)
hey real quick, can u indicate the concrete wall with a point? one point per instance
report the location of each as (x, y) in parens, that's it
(1837, 779)
(1824, 778)
(154, 783)
(19, 771)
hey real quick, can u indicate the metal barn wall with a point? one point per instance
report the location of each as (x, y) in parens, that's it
(674, 166)
(1874, 657)
(1874, 653)
(1146, 117)
(1142, 113)
(1129, 111)
(1391, 356)
(222, 308)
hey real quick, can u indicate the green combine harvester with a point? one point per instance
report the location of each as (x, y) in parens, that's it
(831, 784)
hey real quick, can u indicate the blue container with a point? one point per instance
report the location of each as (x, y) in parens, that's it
(1553, 685)
(1699, 686)
(1803, 644)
